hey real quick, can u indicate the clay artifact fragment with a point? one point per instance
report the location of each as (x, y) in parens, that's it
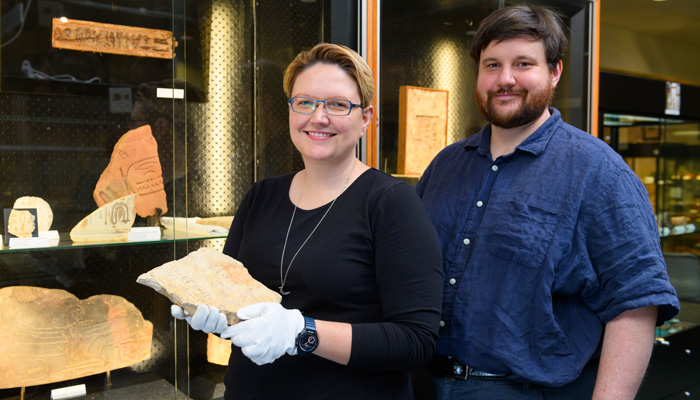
(43, 210)
(134, 168)
(49, 335)
(21, 223)
(222, 221)
(207, 276)
(109, 223)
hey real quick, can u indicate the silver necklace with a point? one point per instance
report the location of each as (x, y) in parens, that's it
(283, 277)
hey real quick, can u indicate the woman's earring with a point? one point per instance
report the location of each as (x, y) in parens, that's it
(362, 133)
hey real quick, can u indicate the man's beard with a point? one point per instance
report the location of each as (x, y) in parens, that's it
(532, 105)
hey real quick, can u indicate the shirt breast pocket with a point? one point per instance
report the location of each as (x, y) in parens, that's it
(521, 234)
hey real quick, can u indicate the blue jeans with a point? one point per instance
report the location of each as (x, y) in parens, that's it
(504, 389)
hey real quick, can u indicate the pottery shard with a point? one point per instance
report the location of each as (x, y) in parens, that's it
(208, 277)
(109, 223)
(134, 168)
(49, 335)
(43, 210)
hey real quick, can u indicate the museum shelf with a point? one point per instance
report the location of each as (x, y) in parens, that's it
(64, 242)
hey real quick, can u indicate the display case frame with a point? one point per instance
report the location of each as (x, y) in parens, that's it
(219, 117)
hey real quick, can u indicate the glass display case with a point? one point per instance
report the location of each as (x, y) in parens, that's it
(662, 145)
(177, 101)
(665, 154)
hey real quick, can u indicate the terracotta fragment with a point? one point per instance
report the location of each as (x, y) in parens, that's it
(43, 210)
(207, 276)
(49, 335)
(108, 223)
(21, 223)
(134, 168)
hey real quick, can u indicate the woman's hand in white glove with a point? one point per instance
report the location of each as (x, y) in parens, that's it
(206, 319)
(266, 332)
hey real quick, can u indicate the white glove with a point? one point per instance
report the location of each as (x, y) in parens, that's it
(267, 331)
(206, 319)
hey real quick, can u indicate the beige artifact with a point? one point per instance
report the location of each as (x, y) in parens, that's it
(134, 168)
(218, 350)
(21, 223)
(49, 335)
(207, 276)
(223, 221)
(109, 223)
(43, 210)
(97, 37)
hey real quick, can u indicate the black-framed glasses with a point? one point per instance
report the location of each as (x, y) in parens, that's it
(307, 105)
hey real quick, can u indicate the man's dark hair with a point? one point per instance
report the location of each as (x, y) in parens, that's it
(523, 22)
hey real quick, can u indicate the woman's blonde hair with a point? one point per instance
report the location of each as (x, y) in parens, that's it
(335, 54)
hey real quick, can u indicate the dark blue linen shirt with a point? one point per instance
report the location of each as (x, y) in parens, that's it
(541, 248)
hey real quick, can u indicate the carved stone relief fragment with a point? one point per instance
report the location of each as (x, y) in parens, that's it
(43, 210)
(49, 335)
(21, 223)
(110, 222)
(134, 168)
(207, 276)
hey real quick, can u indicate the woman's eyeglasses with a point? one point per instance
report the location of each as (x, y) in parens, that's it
(307, 105)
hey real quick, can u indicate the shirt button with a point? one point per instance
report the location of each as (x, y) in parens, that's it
(442, 324)
(479, 203)
(466, 241)
(453, 281)
(494, 168)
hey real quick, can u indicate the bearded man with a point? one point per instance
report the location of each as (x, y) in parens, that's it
(554, 277)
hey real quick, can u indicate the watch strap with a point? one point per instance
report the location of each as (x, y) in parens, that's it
(309, 324)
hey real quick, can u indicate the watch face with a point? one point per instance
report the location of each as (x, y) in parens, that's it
(307, 342)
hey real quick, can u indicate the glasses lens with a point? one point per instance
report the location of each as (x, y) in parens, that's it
(303, 104)
(338, 107)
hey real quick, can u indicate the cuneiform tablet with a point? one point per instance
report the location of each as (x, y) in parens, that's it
(207, 276)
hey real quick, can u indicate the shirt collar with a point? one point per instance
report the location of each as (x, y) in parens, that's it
(534, 144)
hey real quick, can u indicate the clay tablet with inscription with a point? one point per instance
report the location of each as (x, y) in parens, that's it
(207, 276)
(49, 335)
(43, 210)
(109, 223)
(134, 168)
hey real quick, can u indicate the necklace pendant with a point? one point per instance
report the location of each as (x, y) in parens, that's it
(282, 292)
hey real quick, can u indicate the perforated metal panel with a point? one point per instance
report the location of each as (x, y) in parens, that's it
(283, 30)
(220, 151)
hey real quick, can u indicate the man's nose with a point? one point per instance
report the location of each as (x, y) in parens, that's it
(506, 77)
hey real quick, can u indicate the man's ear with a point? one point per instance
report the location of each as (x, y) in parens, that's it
(556, 73)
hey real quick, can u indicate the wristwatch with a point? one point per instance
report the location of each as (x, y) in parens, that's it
(307, 341)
